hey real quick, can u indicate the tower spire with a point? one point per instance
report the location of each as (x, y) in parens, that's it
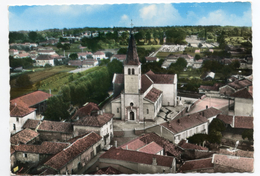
(132, 56)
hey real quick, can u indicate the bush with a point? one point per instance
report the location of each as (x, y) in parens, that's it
(198, 138)
(23, 81)
(215, 137)
(216, 125)
(249, 134)
(47, 66)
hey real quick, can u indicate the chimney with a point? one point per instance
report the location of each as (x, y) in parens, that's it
(206, 106)
(15, 104)
(154, 162)
(116, 144)
(178, 121)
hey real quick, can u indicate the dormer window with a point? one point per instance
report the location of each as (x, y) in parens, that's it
(129, 71)
(133, 71)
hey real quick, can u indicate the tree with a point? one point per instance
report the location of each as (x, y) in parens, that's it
(65, 93)
(197, 57)
(249, 134)
(56, 109)
(235, 64)
(198, 138)
(71, 78)
(148, 37)
(23, 81)
(32, 36)
(181, 62)
(47, 65)
(216, 125)
(59, 45)
(215, 137)
(73, 56)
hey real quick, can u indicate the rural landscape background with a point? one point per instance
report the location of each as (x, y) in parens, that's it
(72, 86)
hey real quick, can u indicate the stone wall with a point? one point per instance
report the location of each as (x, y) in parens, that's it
(54, 136)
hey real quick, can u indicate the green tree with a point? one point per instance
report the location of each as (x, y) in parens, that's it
(71, 78)
(56, 109)
(249, 134)
(23, 81)
(216, 125)
(235, 64)
(65, 93)
(198, 138)
(59, 45)
(32, 36)
(73, 56)
(197, 57)
(215, 137)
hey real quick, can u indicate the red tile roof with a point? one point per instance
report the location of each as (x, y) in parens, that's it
(133, 145)
(86, 110)
(94, 121)
(137, 157)
(99, 53)
(244, 122)
(195, 165)
(119, 78)
(75, 62)
(20, 109)
(23, 136)
(242, 94)
(150, 72)
(32, 98)
(227, 119)
(107, 171)
(62, 127)
(153, 95)
(242, 153)
(239, 84)
(162, 78)
(46, 147)
(239, 163)
(183, 144)
(44, 57)
(31, 123)
(74, 150)
(151, 58)
(215, 87)
(209, 112)
(120, 56)
(145, 83)
(151, 148)
(185, 123)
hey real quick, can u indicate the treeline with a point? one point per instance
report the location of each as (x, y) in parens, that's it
(24, 62)
(92, 87)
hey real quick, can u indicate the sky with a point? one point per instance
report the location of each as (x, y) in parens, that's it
(120, 15)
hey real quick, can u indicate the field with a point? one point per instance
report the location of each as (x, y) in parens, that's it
(74, 48)
(190, 74)
(162, 55)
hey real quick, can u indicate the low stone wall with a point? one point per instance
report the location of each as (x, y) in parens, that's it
(119, 133)
(138, 131)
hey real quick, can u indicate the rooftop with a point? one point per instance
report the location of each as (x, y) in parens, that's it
(76, 148)
(151, 148)
(195, 165)
(137, 157)
(132, 55)
(227, 119)
(244, 122)
(153, 95)
(94, 121)
(133, 145)
(86, 110)
(62, 127)
(183, 144)
(23, 136)
(31, 123)
(244, 93)
(107, 171)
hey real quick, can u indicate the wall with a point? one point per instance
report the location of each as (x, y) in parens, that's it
(150, 108)
(31, 157)
(19, 124)
(79, 130)
(169, 94)
(114, 106)
(54, 136)
(132, 82)
(243, 107)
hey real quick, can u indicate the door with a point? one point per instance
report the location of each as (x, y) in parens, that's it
(132, 115)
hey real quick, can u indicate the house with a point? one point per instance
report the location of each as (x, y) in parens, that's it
(107, 171)
(77, 63)
(182, 128)
(137, 162)
(210, 90)
(21, 55)
(13, 52)
(42, 60)
(89, 63)
(172, 58)
(71, 159)
(55, 131)
(208, 76)
(46, 52)
(120, 57)
(228, 163)
(240, 153)
(204, 165)
(234, 86)
(26, 107)
(26, 136)
(242, 122)
(88, 109)
(169, 149)
(25, 153)
(197, 63)
(144, 94)
(243, 102)
(99, 55)
(209, 113)
(151, 59)
(102, 124)
(82, 55)
(31, 124)
(197, 51)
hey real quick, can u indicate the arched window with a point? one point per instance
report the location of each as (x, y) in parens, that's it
(133, 71)
(131, 104)
(132, 115)
(129, 71)
(147, 111)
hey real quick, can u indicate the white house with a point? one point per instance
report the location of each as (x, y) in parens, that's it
(99, 55)
(42, 60)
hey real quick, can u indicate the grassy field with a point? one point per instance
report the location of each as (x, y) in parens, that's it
(147, 47)
(165, 54)
(74, 48)
(36, 76)
(190, 74)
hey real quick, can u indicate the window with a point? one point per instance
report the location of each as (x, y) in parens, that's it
(17, 119)
(14, 128)
(147, 111)
(133, 71)
(132, 104)
(117, 110)
(129, 71)
(25, 155)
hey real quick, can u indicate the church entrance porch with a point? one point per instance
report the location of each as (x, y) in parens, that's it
(131, 114)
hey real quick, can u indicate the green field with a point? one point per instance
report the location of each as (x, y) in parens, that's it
(74, 48)
(190, 73)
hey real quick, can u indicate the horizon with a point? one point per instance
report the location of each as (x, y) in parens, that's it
(36, 18)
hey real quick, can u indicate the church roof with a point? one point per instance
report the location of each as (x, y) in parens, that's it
(153, 94)
(160, 78)
(132, 56)
(145, 83)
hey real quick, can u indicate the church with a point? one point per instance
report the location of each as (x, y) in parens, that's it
(137, 96)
